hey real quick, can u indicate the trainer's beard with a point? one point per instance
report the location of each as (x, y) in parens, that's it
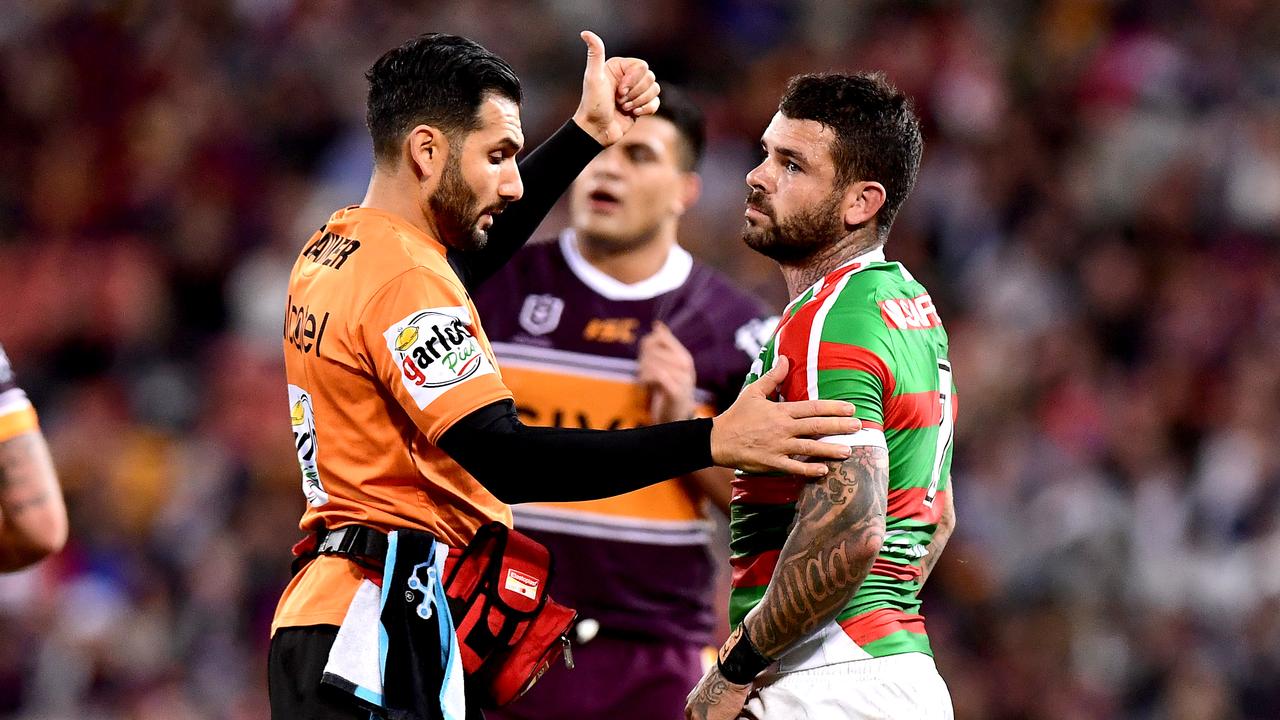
(455, 209)
(797, 238)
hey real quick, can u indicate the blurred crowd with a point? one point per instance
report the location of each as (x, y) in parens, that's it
(1097, 216)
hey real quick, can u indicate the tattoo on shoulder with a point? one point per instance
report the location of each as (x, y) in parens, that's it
(866, 465)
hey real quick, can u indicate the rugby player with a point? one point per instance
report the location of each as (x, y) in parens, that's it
(826, 573)
(615, 325)
(33, 518)
(400, 416)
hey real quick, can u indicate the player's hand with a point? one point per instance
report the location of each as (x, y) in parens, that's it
(615, 91)
(758, 435)
(715, 698)
(666, 370)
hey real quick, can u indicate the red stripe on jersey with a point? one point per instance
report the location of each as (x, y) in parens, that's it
(753, 570)
(757, 490)
(876, 624)
(912, 411)
(908, 504)
(897, 571)
(839, 356)
(795, 332)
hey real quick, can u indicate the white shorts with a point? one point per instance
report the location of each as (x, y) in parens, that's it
(897, 687)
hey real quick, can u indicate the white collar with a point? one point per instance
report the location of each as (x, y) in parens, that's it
(673, 273)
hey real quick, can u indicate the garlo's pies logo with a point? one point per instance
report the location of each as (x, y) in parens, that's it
(435, 348)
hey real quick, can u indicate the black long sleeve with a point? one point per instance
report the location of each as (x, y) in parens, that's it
(547, 172)
(522, 463)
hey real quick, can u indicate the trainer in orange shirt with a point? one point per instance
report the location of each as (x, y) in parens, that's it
(33, 518)
(400, 415)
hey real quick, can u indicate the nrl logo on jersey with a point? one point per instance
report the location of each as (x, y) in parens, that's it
(540, 314)
(436, 349)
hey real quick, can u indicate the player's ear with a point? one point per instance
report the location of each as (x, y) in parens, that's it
(862, 201)
(427, 148)
(690, 191)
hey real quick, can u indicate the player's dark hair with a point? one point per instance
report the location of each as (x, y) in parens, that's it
(433, 79)
(678, 108)
(877, 133)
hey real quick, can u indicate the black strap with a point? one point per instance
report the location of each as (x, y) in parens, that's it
(363, 545)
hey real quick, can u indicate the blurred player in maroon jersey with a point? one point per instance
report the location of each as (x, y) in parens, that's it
(33, 519)
(615, 325)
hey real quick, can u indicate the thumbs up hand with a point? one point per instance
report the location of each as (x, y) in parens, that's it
(615, 91)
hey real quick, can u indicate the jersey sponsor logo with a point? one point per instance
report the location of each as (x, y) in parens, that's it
(916, 313)
(303, 420)
(752, 336)
(611, 330)
(521, 584)
(331, 250)
(303, 329)
(436, 349)
(540, 314)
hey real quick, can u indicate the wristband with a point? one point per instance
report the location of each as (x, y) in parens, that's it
(740, 662)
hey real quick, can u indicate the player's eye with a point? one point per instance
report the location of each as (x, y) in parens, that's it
(791, 167)
(496, 158)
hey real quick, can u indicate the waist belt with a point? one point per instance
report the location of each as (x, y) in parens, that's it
(357, 541)
(362, 545)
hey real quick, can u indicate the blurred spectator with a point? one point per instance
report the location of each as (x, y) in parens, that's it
(1098, 216)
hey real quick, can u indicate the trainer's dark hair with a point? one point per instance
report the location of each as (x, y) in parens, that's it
(433, 79)
(877, 133)
(678, 108)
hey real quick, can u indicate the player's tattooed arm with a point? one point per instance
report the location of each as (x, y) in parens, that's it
(33, 519)
(946, 525)
(838, 531)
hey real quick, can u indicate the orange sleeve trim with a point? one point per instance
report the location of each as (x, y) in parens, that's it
(18, 422)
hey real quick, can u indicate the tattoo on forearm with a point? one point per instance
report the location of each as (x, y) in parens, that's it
(838, 531)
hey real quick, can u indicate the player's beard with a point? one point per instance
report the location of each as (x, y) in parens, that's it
(457, 211)
(797, 238)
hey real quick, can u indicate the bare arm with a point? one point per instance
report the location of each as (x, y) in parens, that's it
(946, 524)
(838, 531)
(33, 518)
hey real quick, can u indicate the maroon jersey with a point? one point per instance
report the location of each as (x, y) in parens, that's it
(566, 337)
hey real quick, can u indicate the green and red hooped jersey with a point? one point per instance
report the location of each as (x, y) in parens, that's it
(867, 333)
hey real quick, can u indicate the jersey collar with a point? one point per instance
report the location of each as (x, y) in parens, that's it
(673, 273)
(875, 255)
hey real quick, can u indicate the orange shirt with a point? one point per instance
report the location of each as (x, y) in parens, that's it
(16, 414)
(383, 352)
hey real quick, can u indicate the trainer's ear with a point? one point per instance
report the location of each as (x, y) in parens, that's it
(427, 149)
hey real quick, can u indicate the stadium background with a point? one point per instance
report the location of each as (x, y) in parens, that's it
(1097, 216)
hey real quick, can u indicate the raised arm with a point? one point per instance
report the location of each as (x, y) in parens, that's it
(614, 93)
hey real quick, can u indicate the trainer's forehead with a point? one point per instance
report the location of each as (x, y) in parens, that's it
(501, 116)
